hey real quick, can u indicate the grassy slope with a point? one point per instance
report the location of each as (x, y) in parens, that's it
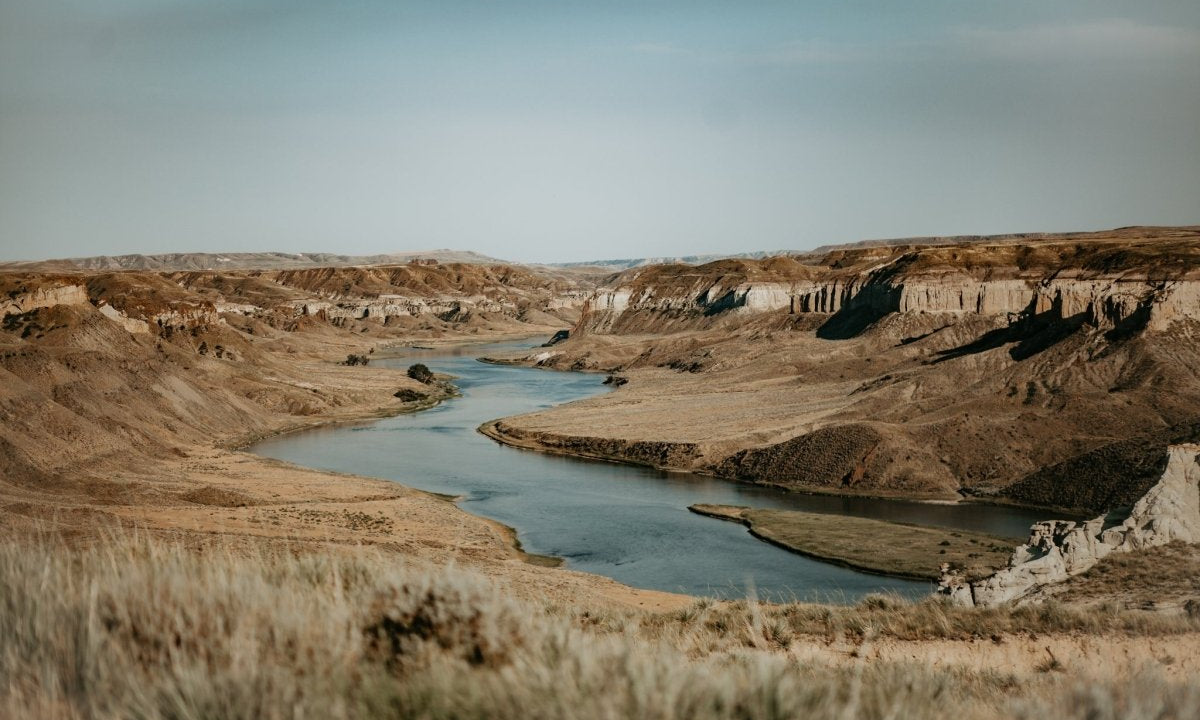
(877, 546)
(140, 627)
(1166, 577)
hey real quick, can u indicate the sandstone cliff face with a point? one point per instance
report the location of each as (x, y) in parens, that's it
(192, 302)
(452, 293)
(132, 325)
(23, 299)
(1104, 284)
(1059, 549)
(136, 303)
(1053, 371)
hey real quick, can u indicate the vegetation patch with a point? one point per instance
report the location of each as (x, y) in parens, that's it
(878, 546)
(421, 373)
(834, 456)
(409, 395)
(1114, 475)
(1163, 577)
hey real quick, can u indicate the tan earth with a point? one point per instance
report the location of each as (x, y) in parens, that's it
(1050, 375)
(103, 425)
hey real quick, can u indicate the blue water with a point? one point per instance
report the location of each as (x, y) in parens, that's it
(629, 523)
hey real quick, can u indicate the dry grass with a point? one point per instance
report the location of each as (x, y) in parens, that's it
(1167, 576)
(143, 628)
(889, 548)
(886, 616)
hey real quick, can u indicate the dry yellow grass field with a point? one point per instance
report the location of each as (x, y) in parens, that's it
(138, 626)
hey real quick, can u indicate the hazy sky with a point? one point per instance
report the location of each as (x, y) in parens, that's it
(575, 130)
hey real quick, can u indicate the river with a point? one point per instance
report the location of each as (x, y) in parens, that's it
(629, 523)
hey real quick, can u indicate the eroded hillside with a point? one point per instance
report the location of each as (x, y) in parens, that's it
(1052, 371)
(105, 373)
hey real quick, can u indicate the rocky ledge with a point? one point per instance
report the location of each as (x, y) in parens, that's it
(1059, 549)
(1128, 280)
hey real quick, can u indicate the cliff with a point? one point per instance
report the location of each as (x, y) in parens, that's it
(1058, 549)
(447, 292)
(1045, 370)
(1108, 281)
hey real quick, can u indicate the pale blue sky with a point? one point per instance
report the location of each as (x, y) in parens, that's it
(561, 131)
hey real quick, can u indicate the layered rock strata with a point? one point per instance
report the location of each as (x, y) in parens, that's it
(1103, 284)
(170, 303)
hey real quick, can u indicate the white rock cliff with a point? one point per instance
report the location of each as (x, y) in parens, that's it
(1060, 549)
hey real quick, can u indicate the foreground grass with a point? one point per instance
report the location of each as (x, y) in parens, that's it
(888, 548)
(144, 628)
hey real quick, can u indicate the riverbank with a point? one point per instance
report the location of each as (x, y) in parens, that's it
(528, 432)
(660, 456)
(195, 484)
(254, 502)
(874, 546)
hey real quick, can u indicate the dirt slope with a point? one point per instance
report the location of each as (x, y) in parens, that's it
(1048, 372)
(122, 394)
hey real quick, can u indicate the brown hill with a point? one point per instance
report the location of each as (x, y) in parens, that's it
(982, 369)
(104, 372)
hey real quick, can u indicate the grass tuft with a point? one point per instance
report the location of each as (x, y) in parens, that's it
(138, 627)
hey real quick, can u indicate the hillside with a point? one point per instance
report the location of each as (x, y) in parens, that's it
(978, 369)
(105, 374)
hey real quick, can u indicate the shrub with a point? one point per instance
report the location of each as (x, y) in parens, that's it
(409, 395)
(463, 618)
(420, 373)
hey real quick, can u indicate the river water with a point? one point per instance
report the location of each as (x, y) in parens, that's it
(626, 522)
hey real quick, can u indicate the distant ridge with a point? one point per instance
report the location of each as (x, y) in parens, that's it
(1129, 231)
(245, 261)
(173, 262)
(1132, 231)
(627, 263)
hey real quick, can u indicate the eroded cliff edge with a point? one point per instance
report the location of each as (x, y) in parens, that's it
(1043, 370)
(103, 373)
(1058, 549)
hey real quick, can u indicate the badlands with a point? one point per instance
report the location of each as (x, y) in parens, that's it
(1060, 372)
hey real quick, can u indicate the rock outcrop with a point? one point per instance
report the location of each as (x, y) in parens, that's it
(26, 299)
(1059, 549)
(128, 309)
(1108, 284)
(451, 293)
(132, 325)
(190, 303)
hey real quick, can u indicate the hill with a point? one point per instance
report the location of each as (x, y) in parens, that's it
(242, 261)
